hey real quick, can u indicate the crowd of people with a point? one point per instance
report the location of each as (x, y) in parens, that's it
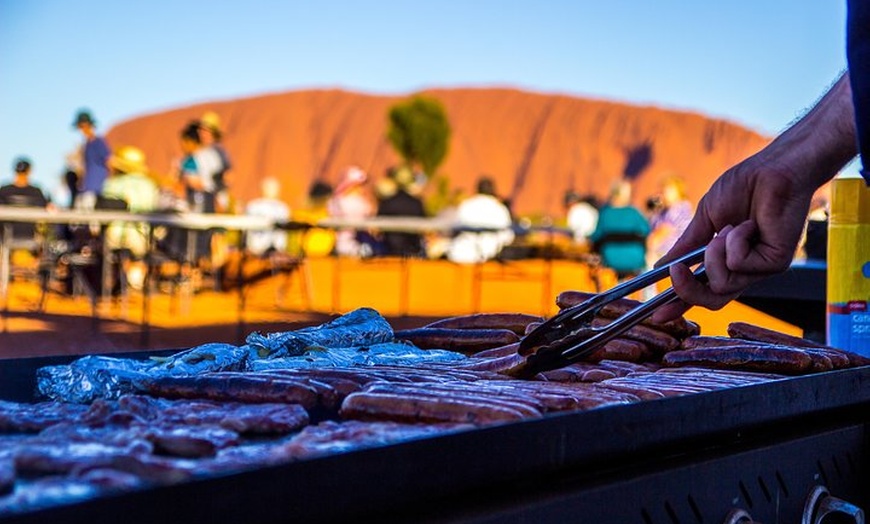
(628, 239)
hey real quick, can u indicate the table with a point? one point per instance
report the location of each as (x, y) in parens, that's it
(390, 224)
(190, 222)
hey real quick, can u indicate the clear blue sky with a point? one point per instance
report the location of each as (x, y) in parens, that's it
(756, 62)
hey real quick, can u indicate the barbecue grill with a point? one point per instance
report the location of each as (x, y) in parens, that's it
(684, 460)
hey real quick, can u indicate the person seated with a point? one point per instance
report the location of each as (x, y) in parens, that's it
(396, 200)
(21, 193)
(316, 241)
(620, 236)
(483, 211)
(581, 216)
(130, 183)
(269, 206)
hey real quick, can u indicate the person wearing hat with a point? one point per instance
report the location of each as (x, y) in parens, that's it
(210, 135)
(130, 182)
(21, 193)
(95, 155)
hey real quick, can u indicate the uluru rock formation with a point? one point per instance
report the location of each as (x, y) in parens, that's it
(536, 146)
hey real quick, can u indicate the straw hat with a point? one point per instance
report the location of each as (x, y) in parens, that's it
(128, 159)
(211, 120)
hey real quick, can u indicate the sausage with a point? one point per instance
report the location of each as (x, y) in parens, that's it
(562, 397)
(463, 340)
(501, 364)
(679, 327)
(823, 359)
(516, 322)
(405, 406)
(760, 334)
(776, 359)
(579, 372)
(706, 342)
(500, 351)
(621, 349)
(745, 331)
(233, 387)
(655, 340)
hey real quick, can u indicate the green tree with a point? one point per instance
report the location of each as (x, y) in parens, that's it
(420, 132)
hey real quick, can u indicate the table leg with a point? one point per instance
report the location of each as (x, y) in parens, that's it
(189, 264)
(240, 331)
(146, 290)
(5, 262)
(106, 274)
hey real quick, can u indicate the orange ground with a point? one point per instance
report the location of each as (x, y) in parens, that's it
(409, 293)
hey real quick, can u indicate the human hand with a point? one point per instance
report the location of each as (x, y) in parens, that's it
(751, 220)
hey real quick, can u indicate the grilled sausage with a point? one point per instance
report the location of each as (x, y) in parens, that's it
(776, 359)
(233, 387)
(516, 322)
(495, 364)
(823, 359)
(760, 334)
(657, 341)
(679, 327)
(401, 404)
(500, 351)
(621, 349)
(746, 331)
(463, 340)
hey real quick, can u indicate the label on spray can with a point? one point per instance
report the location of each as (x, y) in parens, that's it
(849, 266)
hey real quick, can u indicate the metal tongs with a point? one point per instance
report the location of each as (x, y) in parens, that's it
(569, 336)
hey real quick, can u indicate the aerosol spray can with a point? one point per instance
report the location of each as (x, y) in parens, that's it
(849, 266)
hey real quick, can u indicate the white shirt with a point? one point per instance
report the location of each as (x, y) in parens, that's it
(208, 164)
(483, 211)
(582, 219)
(260, 241)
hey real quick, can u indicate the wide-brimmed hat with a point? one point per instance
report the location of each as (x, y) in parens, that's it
(211, 120)
(84, 117)
(128, 159)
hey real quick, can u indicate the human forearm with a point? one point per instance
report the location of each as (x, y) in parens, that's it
(816, 147)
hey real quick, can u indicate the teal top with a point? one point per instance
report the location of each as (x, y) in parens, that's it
(621, 236)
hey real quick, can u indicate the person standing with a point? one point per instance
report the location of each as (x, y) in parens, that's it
(95, 157)
(198, 169)
(620, 236)
(211, 136)
(669, 222)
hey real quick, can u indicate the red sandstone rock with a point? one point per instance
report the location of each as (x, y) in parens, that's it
(535, 145)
